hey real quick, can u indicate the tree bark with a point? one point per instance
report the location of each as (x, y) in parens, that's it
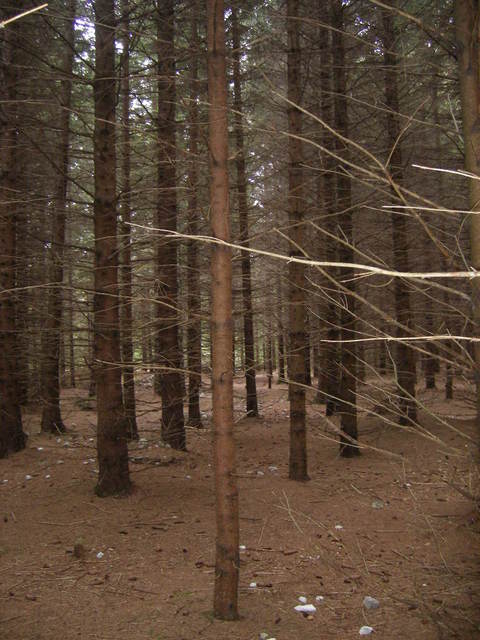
(250, 377)
(404, 360)
(227, 552)
(111, 423)
(194, 332)
(52, 333)
(467, 15)
(296, 360)
(12, 437)
(168, 348)
(128, 369)
(347, 390)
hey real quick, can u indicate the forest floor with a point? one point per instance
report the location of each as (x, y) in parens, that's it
(389, 524)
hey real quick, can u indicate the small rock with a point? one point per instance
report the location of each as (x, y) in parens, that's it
(377, 504)
(263, 636)
(252, 585)
(319, 598)
(365, 630)
(48, 476)
(273, 468)
(339, 526)
(242, 547)
(302, 599)
(39, 448)
(28, 477)
(305, 608)
(370, 603)
(60, 462)
(100, 555)
(260, 473)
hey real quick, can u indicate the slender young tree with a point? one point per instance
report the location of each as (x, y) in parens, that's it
(168, 347)
(112, 448)
(467, 15)
(126, 242)
(12, 437)
(194, 332)
(249, 341)
(347, 390)
(51, 415)
(227, 553)
(404, 360)
(296, 358)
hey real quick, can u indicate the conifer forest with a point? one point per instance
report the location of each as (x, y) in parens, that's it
(239, 319)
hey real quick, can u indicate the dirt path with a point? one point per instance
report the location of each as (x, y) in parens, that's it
(386, 526)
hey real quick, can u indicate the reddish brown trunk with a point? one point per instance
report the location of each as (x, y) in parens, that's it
(126, 253)
(248, 332)
(111, 426)
(168, 350)
(194, 333)
(227, 553)
(52, 335)
(466, 19)
(296, 360)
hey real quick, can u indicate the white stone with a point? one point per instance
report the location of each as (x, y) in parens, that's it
(28, 477)
(302, 599)
(370, 603)
(305, 608)
(365, 630)
(100, 555)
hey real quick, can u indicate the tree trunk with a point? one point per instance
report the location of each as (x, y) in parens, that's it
(296, 360)
(347, 390)
(328, 377)
(12, 437)
(52, 333)
(467, 14)
(248, 332)
(168, 348)
(128, 369)
(227, 552)
(111, 424)
(404, 360)
(194, 333)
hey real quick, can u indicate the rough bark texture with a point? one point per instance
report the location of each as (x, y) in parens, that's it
(347, 390)
(168, 348)
(296, 359)
(328, 377)
(404, 358)
(126, 240)
(12, 437)
(111, 424)
(194, 332)
(467, 15)
(250, 378)
(51, 415)
(227, 552)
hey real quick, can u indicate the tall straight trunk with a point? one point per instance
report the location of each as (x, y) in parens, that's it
(112, 448)
(52, 333)
(250, 379)
(168, 348)
(467, 14)
(194, 332)
(71, 337)
(328, 368)
(227, 554)
(296, 327)
(281, 355)
(126, 243)
(12, 437)
(347, 390)
(404, 360)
